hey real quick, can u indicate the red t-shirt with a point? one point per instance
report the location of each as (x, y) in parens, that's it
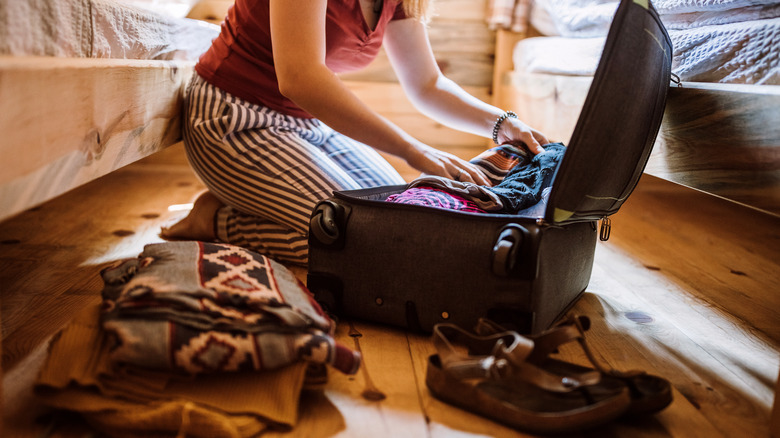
(240, 60)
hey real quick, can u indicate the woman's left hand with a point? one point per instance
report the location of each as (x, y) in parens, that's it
(514, 131)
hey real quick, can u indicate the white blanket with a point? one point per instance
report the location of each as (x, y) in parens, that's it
(98, 29)
(733, 41)
(590, 18)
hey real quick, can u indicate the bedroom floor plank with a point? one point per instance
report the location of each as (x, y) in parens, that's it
(679, 295)
(721, 252)
(51, 254)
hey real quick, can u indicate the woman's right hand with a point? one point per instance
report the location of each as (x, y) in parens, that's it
(431, 161)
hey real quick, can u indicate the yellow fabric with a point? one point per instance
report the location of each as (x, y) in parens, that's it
(78, 376)
(560, 215)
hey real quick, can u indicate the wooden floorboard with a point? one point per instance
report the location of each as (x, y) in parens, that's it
(686, 288)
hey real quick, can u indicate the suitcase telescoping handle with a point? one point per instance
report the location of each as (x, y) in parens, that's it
(514, 253)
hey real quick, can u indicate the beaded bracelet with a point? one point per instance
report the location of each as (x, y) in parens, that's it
(499, 121)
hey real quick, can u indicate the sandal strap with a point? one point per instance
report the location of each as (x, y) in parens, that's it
(480, 348)
(581, 324)
(571, 329)
(507, 359)
(549, 341)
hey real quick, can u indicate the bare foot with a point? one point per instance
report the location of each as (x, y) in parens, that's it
(199, 223)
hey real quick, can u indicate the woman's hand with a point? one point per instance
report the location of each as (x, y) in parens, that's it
(513, 131)
(432, 161)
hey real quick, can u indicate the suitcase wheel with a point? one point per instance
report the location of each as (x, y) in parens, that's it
(323, 224)
(505, 251)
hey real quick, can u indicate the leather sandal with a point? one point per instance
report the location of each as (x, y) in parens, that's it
(494, 379)
(649, 393)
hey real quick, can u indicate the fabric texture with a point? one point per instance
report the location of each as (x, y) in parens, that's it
(728, 41)
(436, 198)
(520, 181)
(240, 61)
(271, 169)
(522, 187)
(196, 307)
(99, 29)
(78, 375)
(496, 162)
(479, 195)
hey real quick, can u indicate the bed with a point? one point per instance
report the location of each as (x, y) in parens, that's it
(721, 129)
(88, 86)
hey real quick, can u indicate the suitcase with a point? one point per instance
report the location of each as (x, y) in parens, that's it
(414, 266)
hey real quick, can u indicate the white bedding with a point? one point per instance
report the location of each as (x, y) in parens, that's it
(591, 18)
(99, 29)
(732, 41)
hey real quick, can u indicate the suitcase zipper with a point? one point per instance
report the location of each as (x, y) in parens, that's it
(606, 229)
(676, 79)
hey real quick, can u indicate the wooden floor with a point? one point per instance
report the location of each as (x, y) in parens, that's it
(688, 287)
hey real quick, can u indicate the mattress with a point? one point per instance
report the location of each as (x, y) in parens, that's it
(99, 29)
(730, 41)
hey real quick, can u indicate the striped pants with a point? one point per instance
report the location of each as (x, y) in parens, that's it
(271, 169)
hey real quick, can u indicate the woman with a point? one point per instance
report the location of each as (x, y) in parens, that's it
(271, 130)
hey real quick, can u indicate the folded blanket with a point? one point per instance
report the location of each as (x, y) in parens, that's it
(78, 375)
(204, 307)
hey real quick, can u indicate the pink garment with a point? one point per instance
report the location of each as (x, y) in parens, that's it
(436, 198)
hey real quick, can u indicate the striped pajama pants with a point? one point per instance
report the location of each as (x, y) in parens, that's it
(271, 169)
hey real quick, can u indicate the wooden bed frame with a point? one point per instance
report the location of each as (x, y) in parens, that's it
(67, 121)
(723, 139)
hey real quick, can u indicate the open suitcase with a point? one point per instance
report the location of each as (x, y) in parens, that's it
(414, 266)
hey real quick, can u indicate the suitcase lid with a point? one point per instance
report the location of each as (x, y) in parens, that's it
(619, 121)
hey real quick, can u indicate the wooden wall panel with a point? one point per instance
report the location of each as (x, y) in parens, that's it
(388, 99)
(462, 43)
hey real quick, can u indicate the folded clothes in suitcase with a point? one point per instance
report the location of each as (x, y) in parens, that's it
(414, 266)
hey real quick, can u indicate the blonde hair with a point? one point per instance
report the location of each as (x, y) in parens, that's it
(418, 9)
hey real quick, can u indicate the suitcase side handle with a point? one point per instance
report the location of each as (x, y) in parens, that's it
(514, 253)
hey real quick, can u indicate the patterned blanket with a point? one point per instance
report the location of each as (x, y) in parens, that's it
(205, 307)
